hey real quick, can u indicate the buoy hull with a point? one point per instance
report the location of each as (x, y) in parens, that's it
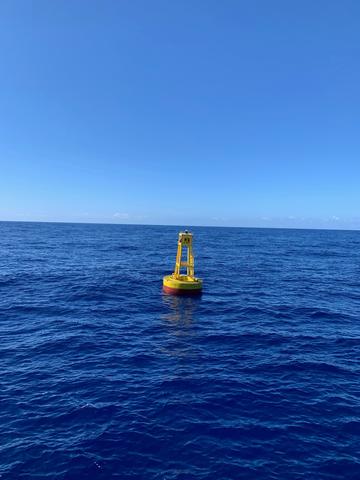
(179, 291)
(182, 285)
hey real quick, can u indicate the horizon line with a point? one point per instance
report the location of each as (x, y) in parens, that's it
(178, 225)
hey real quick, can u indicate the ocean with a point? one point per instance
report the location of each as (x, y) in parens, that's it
(105, 377)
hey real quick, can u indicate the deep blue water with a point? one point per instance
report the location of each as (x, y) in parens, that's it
(105, 377)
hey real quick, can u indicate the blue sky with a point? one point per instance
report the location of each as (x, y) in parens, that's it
(243, 113)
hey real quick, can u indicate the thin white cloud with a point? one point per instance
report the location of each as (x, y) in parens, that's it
(121, 215)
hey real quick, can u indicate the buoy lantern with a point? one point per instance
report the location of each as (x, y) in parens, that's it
(183, 284)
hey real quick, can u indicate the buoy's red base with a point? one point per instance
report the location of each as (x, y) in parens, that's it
(182, 291)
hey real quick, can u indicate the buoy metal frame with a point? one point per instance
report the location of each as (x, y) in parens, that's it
(183, 284)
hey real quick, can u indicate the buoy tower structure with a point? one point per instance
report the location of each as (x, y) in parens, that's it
(186, 283)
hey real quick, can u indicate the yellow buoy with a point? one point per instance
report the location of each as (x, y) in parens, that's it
(183, 284)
